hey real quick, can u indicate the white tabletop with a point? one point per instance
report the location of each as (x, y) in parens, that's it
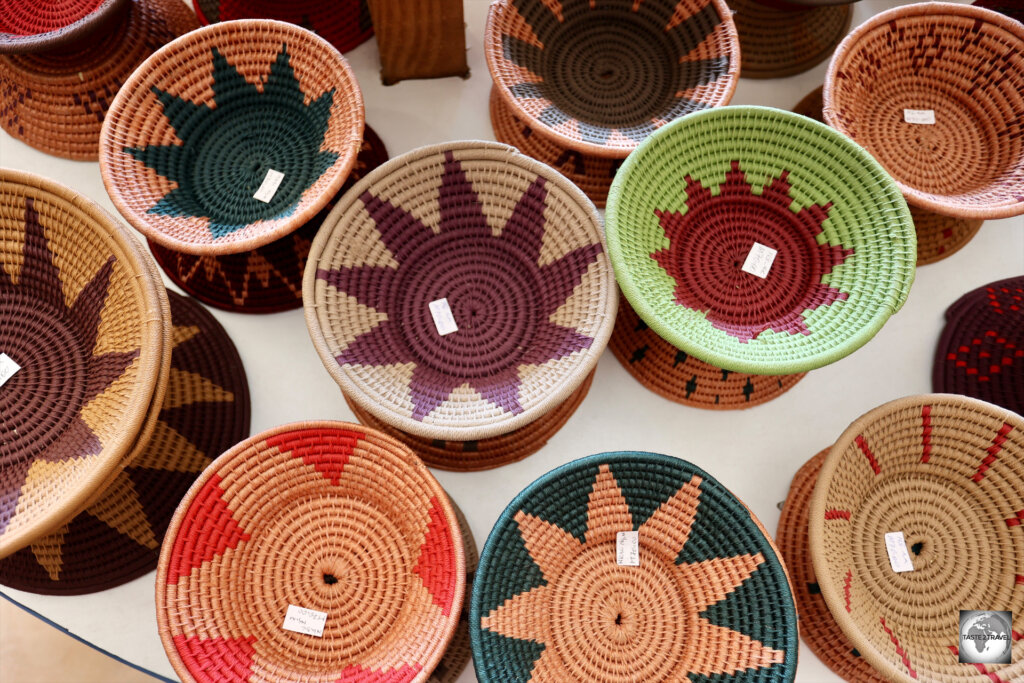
(753, 452)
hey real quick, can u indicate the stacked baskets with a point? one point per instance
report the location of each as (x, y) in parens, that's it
(213, 147)
(578, 86)
(436, 325)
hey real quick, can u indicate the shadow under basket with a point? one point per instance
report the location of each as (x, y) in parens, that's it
(484, 454)
(680, 377)
(938, 236)
(267, 279)
(205, 411)
(779, 39)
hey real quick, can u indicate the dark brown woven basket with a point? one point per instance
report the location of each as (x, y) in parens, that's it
(56, 100)
(429, 42)
(963, 64)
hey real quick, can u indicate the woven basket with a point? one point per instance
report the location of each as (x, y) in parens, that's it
(592, 174)
(345, 24)
(484, 454)
(709, 598)
(981, 350)
(55, 101)
(185, 174)
(534, 304)
(679, 377)
(938, 236)
(688, 206)
(39, 25)
(817, 627)
(73, 411)
(204, 412)
(947, 472)
(780, 39)
(429, 42)
(1011, 8)
(326, 516)
(458, 654)
(623, 69)
(267, 279)
(970, 162)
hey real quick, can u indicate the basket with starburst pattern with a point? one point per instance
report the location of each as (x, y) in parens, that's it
(594, 80)
(938, 480)
(232, 136)
(560, 595)
(325, 516)
(82, 338)
(758, 240)
(493, 243)
(345, 24)
(933, 91)
(39, 25)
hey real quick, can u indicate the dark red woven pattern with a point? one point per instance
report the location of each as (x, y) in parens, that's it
(205, 411)
(30, 17)
(981, 350)
(1011, 8)
(345, 24)
(268, 279)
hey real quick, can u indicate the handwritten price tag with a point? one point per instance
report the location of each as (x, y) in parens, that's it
(899, 558)
(303, 620)
(627, 548)
(759, 260)
(7, 368)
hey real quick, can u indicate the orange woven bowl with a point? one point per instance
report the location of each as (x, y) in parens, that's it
(600, 77)
(232, 136)
(327, 516)
(81, 313)
(962, 65)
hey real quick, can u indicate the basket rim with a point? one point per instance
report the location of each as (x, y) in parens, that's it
(611, 458)
(289, 224)
(492, 50)
(13, 43)
(571, 381)
(830, 591)
(678, 338)
(416, 465)
(841, 56)
(153, 356)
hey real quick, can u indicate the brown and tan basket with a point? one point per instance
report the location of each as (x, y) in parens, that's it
(428, 42)
(948, 472)
(55, 101)
(779, 38)
(194, 135)
(327, 516)
(965, 65)
(83, 314)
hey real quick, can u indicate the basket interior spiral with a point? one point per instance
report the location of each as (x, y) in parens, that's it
(689, 208)
(220, 113)
(948, 472)
(601, 77)
(80, 314)
(966, 65)
(514, 250)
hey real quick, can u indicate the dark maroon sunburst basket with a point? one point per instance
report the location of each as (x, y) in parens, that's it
(981, 350)
(516, 252)
(345, 24)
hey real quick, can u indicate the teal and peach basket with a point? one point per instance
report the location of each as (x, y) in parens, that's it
(702, 595)
(193, 144)
(692, 209)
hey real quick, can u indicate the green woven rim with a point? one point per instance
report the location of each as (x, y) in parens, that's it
(686, 519)
(868, 215)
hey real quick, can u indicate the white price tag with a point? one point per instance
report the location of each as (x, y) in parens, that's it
(899, 557)
(759, 260)
(7, 368)
(920, 116)
(444, 321)
(268, 188)
(303, 620)
(627, 548)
